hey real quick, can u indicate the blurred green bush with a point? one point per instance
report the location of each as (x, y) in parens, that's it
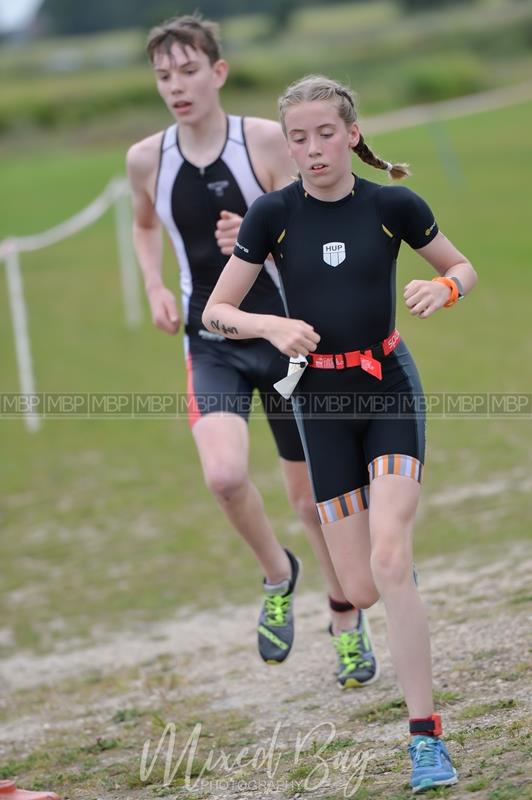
(390, 58)
(430, 79)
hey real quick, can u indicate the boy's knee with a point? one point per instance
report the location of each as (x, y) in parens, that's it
(224, 483)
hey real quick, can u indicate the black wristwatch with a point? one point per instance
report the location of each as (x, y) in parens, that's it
(459, 286)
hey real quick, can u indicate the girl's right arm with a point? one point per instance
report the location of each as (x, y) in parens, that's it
(222, 313)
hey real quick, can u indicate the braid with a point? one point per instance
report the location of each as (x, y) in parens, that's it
(317, 88)
(396, 171)
(344, 93)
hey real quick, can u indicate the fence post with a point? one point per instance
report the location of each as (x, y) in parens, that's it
(129, 272)
(20, 330)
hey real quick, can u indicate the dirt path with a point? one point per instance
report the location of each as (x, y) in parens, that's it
(448, 109)
(480, 618)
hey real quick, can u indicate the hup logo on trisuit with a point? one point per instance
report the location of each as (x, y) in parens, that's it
(334, 253)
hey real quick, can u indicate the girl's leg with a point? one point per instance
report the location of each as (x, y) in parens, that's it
(349, 547)
(300, 495)
(348, 542)
(392, 508)
(340, 481)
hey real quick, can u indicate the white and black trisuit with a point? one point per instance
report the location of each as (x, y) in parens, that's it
(222, 373)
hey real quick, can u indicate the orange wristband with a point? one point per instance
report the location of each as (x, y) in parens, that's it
(452, 286)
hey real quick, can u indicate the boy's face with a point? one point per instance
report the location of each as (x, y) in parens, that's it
(188, 82)
(320, 142)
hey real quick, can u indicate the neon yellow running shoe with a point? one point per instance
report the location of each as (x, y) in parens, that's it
(276, 620)
(357, 663)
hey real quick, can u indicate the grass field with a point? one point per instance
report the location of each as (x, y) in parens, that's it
(108, 532)
(112, 514)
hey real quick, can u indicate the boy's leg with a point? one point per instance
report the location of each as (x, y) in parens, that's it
(223, 445)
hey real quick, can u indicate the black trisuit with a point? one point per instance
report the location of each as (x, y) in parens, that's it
(222, 373)
(337, 264)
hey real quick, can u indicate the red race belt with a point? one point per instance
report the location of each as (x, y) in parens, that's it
(365, 359)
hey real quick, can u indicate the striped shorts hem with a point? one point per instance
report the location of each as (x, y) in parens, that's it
(396, 464)
(358, 500)
(344, 505)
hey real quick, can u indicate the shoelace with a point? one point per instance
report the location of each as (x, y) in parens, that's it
(426, 753)
(277, 606)
(347, 646)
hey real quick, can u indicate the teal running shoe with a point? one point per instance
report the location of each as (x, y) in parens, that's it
(357, 663)
(276, 620)
(431, 764)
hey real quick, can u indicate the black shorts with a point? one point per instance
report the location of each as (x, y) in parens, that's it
(355, 428)
(222, 376)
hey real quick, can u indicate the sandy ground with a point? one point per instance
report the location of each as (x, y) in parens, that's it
(480, 620)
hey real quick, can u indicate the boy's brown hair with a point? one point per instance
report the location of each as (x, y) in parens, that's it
(190, 30)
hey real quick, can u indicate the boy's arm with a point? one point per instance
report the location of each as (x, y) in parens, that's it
(142, 162)
(272, 165)
(269, 153)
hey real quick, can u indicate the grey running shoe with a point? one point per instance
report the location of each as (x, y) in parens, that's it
(276, 620)
(357, 663)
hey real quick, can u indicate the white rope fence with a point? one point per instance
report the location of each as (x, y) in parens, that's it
(115, 194)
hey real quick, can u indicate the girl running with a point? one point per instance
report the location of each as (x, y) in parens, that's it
(335, 238)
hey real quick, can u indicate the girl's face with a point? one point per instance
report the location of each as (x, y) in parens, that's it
(320, 143)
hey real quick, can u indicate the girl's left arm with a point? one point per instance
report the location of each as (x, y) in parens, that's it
(424, 297)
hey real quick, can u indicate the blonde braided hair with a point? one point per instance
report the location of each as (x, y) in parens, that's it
(319, 87)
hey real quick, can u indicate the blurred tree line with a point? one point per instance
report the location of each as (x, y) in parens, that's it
(64, 17)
